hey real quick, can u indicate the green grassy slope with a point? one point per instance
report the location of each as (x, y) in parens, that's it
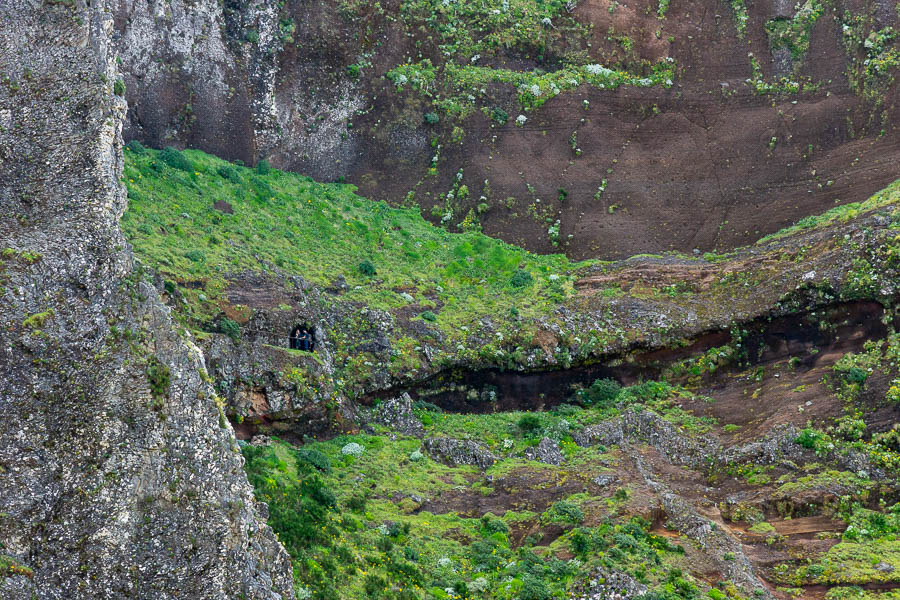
(321, 231)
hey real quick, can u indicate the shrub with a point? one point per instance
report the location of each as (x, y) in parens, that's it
(648, 391)
(195, 255)
(530, 424)
(808, 438)
(534, 589)
(263, 167)
(230, 173)
(353, 71)
(566, 512)
(602, 393)
(856, 375)
(119, 87)
(252, 36)
(353, 449)
(849, 428)
(429, 316)
(489, 553)
(889, 439)
(136, 147)
(491, 525)
(431, 118)
(580, 541)
(356, 503)
(230, 328)
(367, 268)
(159, 377)
(411, 554)
(314, 458)
(499, 115)
(175, 159)
(425, 405)
(521, 278)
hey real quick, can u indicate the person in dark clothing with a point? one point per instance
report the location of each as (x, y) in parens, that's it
(305, 341)
(295, 339)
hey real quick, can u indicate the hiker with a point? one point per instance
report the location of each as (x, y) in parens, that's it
(295, 339)
(305, 341)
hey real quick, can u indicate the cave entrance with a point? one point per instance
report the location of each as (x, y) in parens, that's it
(302, 337)
(493, 390)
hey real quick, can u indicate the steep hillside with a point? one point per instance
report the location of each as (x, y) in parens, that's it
(480, 422)
(595, 127)
(119, 475)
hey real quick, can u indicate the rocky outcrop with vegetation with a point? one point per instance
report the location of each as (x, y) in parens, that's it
(479, 421)
(121, 477)
(594, 127)
(466, 420)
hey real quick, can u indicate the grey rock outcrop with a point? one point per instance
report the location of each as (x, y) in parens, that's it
(547, 451)
(227, 78)
(121, 476)
(606, 584)
(607, 433)
(397, 414)
(648, 426)
(459, 452)
(721, 546)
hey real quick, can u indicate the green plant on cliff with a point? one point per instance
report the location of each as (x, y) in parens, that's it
(468, 35)
(159, 377)
(793, 34)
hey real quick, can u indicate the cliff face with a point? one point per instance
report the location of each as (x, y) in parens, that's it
(775, 111)
(120, 477)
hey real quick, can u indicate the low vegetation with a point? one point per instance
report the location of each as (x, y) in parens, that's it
(362, 515)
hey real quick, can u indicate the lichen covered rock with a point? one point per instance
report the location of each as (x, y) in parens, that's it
(122, 477)
(547, 451)
(459, 452)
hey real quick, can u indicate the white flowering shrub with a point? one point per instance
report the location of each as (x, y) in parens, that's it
(553, 233)
(353, 449)
(520, 120)
(416, 456)
(479, 585)
(595, 69)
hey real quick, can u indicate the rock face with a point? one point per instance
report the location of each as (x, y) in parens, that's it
(397, 414)
(459, 452)
(611, 585)
(121, 477)
(709, 162)
(657, 432)
(547, 451)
